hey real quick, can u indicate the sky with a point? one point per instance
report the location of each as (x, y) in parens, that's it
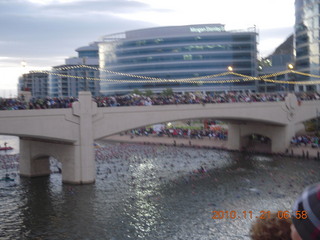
(39, 34)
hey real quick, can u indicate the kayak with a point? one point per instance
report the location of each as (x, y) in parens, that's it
(5, 148)
(7, 179)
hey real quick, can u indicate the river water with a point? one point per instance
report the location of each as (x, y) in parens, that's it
(151, 192)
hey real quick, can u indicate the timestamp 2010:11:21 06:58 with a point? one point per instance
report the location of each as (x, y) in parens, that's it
(261, 215)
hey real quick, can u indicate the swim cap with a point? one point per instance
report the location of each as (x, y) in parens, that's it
(307, 223)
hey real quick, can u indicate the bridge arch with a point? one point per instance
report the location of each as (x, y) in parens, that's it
(46, 160)
(110, 121)
(109, 130)
(137, 125)
(256, 142)
(35, 154)
(40, 165)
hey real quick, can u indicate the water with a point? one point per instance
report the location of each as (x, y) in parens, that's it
(152, 192)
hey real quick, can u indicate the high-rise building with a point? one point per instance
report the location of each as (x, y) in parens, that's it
(77, 74)
(307, 15)
(155, 58)
(34, 82)
(279, 61)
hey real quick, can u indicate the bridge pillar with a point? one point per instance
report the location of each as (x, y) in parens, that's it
(77, 158)
(280, 135)
(85, 109)
(234, 136)
(34, 160)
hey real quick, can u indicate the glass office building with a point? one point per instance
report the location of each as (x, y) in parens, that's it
(68, 79)
(34, 82)
(307, 39)
(177, 57)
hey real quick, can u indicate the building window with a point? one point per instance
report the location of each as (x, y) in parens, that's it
(158, 40)
(141, 43)
(187, 57)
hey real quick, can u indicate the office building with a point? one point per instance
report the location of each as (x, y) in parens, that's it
(177, 57)
(307, 20)
(34, 82)
(279, 61)
(79, 73)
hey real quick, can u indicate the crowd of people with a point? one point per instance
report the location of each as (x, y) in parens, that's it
(156, 99)
(193, 98)
(188, 98)
(176, 132)
(305, 140)
(35, 103)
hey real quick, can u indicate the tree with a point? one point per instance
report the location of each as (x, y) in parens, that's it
(137, 92)
(148, 93)
(167, 92)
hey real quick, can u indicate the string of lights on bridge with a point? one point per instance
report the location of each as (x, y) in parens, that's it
(193, 80)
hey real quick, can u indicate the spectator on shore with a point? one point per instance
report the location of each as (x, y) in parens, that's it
(305, 140)
(221, 134)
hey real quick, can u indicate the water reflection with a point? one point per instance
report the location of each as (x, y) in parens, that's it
(153, 192)
(43, 209)
(144, 212)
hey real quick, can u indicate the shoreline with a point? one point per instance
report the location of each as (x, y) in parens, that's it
(304, 152)
(169, 141)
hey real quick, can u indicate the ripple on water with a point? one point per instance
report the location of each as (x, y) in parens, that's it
(154, 192)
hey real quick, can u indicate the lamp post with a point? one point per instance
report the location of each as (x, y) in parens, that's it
(317, 121)
(25, 80)
(23, 63)
(85, 74)
(230, 69)
(288, 75)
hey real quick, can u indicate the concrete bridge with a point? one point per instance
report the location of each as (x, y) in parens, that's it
(68, 134)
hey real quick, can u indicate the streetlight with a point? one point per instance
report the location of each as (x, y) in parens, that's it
(85, 74)
(230, 69)
(317, 122)
(289, 76)
(23, 81)
(290, 66)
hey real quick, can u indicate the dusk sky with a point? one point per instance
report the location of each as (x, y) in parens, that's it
(45, 32)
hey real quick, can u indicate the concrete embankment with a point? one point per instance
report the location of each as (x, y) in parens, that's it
(305, 152)
(213, 143)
